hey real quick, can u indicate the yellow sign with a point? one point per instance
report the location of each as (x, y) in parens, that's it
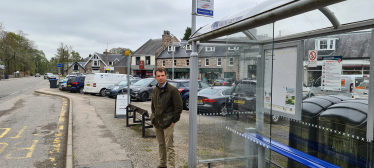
(127, 53)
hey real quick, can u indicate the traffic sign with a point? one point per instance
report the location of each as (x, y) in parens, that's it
(205, 8)
(59, 65)
(312, 57)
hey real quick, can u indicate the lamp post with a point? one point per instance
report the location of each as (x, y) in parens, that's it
(173, 49)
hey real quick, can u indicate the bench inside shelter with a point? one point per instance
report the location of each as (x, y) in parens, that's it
(139, 116)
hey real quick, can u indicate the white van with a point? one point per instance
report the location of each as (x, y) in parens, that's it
(98, 82)
(347, 85)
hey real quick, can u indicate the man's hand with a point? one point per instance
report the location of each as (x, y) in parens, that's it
(173, 124)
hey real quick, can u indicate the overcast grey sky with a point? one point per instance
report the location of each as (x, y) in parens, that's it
(88, 25)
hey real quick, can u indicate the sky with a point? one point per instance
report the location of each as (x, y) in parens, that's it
(94, 25)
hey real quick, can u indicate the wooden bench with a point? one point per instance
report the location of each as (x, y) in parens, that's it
(139, 116)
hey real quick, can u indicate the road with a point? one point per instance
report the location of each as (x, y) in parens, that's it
(33, 127)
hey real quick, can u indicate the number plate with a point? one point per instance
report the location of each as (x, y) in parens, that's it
(239, 101)
(199, 101)
(69, 85)
(88, 84)
(218, 83)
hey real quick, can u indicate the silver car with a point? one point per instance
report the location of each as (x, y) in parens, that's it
(49, 76)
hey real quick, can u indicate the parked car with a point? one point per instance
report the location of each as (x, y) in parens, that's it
(75, 84)
(184, 90)
(213, 100)
(49, 76)
(223, 82)
(75, 74)
(62, 84)
(98, 82)
(113, 90)
(142, 89)
(362, 90)
(37, 75)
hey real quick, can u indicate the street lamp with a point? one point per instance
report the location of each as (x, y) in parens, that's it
(173, 49)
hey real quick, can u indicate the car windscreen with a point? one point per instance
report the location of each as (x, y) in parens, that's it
(72, 79)
(208, 91)
(247, 88)
(49, 73)
(186, 84)
(122, 83)
(144, 82)
(176, 84)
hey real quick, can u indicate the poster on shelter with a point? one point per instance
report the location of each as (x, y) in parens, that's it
(331, 73)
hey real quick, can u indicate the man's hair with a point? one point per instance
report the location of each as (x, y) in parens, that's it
(160, 69)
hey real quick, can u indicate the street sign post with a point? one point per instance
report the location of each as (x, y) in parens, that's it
(205, 8)
(59, 66)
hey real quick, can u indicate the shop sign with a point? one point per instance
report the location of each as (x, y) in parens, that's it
(141, 64)
(211, 70)
(312, 58)
(331, 73)
(205, 8)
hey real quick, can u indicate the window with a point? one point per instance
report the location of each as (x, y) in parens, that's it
(209, 49)
(233, 48)
(137, 60)
(147, 60)
(187, 62)
(154, 83)
(206, 61)
(171, 48)
(219, 62)
(227, 92)
(188, 47)
(186, 84)
(231, 61)
(81, 79)
(95, 63)
(175, 62)
(163, 63)
(204, 85)
(325, 44)
(110, 63)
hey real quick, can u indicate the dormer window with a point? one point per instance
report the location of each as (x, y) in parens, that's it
(171, 48)
(325, 44)
(208, 49)
(233, 48)
(188, 47)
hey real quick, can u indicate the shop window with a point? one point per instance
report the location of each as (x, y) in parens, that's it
(137, 60)
(187, 62)
(209, 49)
(325, 44)
(171, 48)
(231, 61)
(147, 60)
(188, 47)
(219, 63)
(175, 62)
(206, 61)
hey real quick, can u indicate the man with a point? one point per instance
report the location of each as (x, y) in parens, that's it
(166, 108)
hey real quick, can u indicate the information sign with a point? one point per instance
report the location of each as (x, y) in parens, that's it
(205, 8)
(331, 73)
(59, 65)
(121, 104)
(312, 58)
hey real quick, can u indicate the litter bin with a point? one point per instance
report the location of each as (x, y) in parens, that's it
(52, 83)
(6, 76)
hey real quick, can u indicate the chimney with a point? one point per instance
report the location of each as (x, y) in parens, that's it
(106, 57)
(166, 39)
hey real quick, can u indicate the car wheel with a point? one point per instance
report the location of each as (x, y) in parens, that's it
(102, 92)
(144, 97)
(223, 110)
(81, 90)
(186, 103)
(274, 119)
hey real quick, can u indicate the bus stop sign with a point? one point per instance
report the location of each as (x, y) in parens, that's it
(59, 65)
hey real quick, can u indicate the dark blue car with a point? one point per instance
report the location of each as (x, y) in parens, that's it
(75, 84)
(183, 86)
(113, 90)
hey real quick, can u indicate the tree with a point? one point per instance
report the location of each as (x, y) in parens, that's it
(187, 34)
(75, 56)
(63, 55)
(120, 50)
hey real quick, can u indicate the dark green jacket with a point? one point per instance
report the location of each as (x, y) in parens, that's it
(166, 106)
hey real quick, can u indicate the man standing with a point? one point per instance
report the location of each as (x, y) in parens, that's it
(166, 109)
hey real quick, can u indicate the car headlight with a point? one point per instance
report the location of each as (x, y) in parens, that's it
(137, 89)
(116, 88)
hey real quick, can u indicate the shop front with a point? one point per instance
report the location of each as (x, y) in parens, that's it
(209, 75)
(143, 73)
(179, 73)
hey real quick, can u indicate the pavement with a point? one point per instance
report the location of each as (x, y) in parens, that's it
(86, 135)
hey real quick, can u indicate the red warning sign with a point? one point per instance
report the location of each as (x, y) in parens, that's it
(312, 57)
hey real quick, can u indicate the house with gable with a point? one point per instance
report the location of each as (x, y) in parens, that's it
(103, 63)
(143, 61)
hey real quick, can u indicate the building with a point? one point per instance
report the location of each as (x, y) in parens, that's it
(102, 63)
(143, 61)
(76, 67)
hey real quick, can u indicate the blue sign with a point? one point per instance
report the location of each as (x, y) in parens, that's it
(205, 8)
(59, 65)
(333, 58)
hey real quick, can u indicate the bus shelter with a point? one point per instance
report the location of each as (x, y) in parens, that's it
(294, 102)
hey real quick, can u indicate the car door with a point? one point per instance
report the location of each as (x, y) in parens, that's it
(151, 86)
